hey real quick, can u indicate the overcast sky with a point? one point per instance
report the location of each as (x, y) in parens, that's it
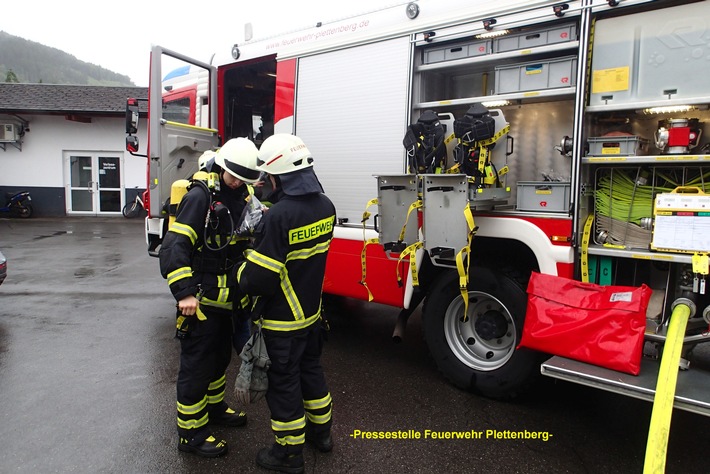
(118, 35)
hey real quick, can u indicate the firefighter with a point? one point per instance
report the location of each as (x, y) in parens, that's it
(285, 271)
(198, 257)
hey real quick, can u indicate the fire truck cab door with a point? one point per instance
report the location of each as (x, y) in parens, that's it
(182, 120)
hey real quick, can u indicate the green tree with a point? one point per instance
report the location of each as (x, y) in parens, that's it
(11, 77)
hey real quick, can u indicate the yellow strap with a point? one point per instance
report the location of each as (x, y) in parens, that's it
(179, 320)
(482, 158)
(584, 261)
(659, 429)
(363, 258)
(460, 267)
(463, 280)
(363, 254)
(410, 252)
(415, 205)
(494, 138)
(366, 215)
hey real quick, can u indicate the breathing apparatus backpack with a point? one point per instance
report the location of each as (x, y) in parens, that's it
(424, 142)
(208, 181)
(216, 234)
(471, 152)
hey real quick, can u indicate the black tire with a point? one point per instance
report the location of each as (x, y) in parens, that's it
(23, 211)
(480, 354)
(131, 209)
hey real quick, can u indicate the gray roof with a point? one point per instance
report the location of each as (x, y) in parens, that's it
(62, 99)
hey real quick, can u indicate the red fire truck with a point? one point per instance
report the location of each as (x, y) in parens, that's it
(593, 110)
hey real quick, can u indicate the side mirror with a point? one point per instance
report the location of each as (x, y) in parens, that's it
(132, 116)
(132, 144)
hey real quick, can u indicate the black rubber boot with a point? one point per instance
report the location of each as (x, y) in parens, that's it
(323, 442)
(228, 418)
(292, 464)
(209, 448)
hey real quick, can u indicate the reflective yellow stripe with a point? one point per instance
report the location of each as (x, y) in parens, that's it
(192, 409)
(274, 325)
(296, 424)
(185, 230)
(291, 298)
(265, 262)
(179, 274)
(212, 399)
(192, 424)
(316, 404)
(311, 231)
(287, 287)
(320, 419)
(241, 269)
(291, 440)
(223, 290)
(216, 304)
(303, 254)
(219, 383)
(244, 301)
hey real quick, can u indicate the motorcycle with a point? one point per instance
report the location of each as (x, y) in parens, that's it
(17, 205)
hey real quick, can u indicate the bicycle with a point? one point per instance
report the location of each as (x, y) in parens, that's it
(134, 208)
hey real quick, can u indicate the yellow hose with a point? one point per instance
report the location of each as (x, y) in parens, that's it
(659, 429)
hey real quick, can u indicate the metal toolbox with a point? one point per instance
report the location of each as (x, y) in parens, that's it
(549, 74)
(617, 146)
(533, 38)
(544, 196)
(458, 51)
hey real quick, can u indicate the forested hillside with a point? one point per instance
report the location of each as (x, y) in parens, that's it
(31, 62)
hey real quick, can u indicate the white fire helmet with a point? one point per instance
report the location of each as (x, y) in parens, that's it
(283, 153)
(204, 159)
(238, 157)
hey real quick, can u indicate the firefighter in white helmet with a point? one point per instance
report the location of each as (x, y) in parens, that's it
(198, 257)
(285, 270)
(206, 160)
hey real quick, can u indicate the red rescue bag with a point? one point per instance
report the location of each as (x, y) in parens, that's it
(599, 325)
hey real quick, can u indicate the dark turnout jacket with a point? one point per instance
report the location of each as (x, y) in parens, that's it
(286, 268)
(189, 263)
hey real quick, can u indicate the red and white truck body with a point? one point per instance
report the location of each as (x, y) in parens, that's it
(559, 78)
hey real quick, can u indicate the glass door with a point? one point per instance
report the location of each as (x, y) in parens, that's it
(94, 183)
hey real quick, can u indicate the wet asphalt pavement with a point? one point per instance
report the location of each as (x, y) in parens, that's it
(88, 366)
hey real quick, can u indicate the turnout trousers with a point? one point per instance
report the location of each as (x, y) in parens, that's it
(297, 396)
(204, 357)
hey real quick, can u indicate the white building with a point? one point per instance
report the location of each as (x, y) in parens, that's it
(65, 144)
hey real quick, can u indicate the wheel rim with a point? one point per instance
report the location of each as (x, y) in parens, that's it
(487, 339)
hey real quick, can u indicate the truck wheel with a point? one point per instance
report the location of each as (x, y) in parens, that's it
(479, 354)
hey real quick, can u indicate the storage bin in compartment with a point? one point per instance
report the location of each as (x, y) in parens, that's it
(545, 196)
(457, 51)
(616, 145)
(531, 39)
(549, 74)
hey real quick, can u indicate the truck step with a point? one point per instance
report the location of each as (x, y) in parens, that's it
(692, 390)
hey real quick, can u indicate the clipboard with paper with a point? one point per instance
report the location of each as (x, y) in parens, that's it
(682, 221)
